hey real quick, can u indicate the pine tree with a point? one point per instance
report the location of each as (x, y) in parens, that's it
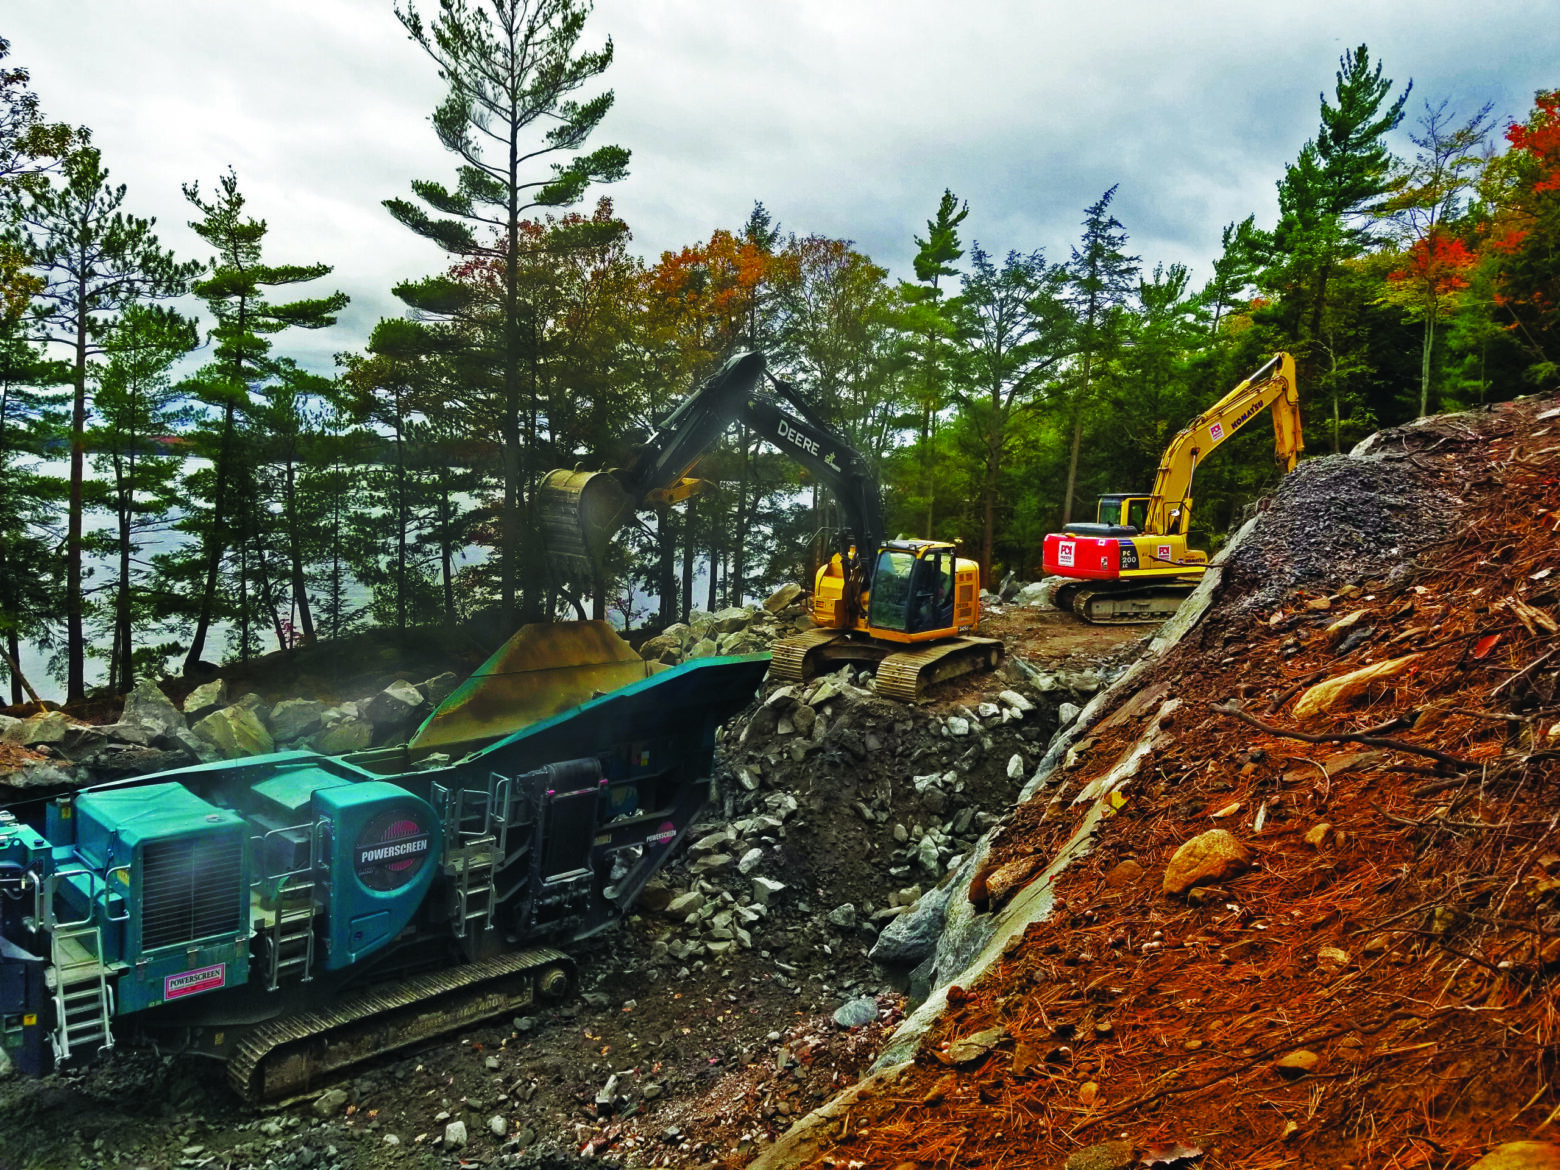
(925, 321)
(1101, 277)
(137, 406)
(30, 588)
(95, 262)
(235, 292)
(1014, 329)
(512, 68)
(1329, 195)
(30, 150)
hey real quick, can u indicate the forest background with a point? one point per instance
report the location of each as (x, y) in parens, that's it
(177, 486)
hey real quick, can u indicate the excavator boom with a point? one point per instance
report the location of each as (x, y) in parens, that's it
(581, 510)
(1169, 508)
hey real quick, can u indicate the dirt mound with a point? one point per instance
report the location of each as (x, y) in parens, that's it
(1333, 521)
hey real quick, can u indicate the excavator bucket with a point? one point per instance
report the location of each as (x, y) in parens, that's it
(580, 510)
(540, 672)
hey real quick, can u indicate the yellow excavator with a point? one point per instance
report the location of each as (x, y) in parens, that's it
(906, 608)
(1132, 564)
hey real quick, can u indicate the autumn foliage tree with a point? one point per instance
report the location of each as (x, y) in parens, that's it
(1522, 237)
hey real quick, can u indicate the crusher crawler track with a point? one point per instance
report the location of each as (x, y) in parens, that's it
(901, 674)
(1129, 605)
(289, 1055)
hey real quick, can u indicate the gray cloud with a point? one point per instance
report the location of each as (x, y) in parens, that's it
(846, 118)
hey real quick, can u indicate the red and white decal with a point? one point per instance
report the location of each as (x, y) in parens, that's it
(1064, 553)
(189, 982)
(1163, 552)
(1216, 432)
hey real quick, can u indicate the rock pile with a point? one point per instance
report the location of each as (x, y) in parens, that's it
(737, 630)
(153, 735)
(826, 786)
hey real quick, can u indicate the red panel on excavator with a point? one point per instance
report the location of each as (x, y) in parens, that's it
(1089, 557)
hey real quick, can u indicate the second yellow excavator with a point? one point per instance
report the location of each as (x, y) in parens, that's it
(1132, 564)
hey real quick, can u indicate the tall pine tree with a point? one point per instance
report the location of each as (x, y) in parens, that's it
(512, 68)
(1101, 276)
(95, 262)
(234, 290)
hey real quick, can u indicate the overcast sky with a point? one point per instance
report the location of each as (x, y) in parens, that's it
(846, 118)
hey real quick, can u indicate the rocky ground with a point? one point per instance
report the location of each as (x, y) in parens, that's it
(759, 974)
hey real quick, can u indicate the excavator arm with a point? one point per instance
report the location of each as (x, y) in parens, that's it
(581, 510)
(1170, 506)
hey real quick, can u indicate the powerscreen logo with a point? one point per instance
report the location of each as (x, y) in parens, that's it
(190, 982)
(391, 849)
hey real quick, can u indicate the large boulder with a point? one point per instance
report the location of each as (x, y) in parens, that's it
(350, 734)
(1209, 857)
(729, 621)
(662, 648)
(783, 597)
(45, 727)
(236, 731)
(1520, 1156)
(439, 687)
(295, 718)
(147, 706)
(394, 707)
(912, 937)
(205, 699)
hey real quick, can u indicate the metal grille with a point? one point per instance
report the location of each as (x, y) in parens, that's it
(190, 888)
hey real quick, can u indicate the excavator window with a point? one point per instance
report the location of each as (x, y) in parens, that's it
(1124, 511)
(890, 607)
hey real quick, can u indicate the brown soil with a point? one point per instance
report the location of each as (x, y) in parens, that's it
(1379, 988)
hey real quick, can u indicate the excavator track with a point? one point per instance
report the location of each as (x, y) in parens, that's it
(906, 674)
(289, 1055)
(795, 659)
(1142, 605)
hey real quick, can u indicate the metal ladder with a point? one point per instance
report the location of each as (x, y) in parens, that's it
(474, 829)
(83, 999)
(290, 939)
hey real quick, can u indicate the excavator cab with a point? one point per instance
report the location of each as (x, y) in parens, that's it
(1123, 512)
(914, 585)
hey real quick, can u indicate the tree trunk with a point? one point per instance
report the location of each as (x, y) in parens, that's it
(13, 652)
(295, 553)
(446, 549)
(216, 542)
(400, 525)
(1424, 362)
(123, 644)
(1077, 439)
(666, 547)
(690, 550)
(734, 581)
(988, 537)
(75, 637)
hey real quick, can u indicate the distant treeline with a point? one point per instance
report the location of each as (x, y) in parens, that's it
(996, 389)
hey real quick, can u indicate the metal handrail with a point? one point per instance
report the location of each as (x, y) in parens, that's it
(259, 843)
